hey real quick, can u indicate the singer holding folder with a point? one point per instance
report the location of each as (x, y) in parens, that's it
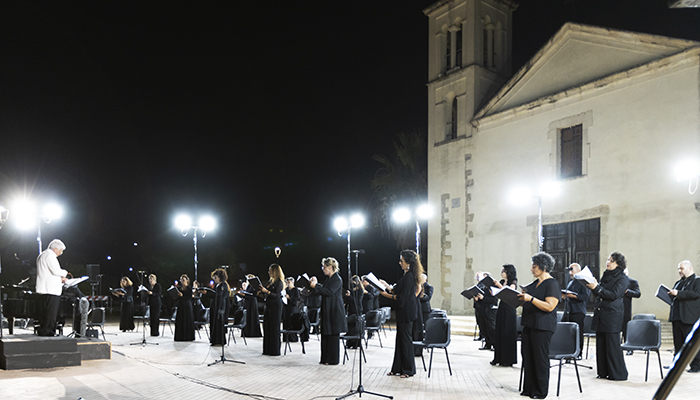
(608, 317)
(332, 311)
(539, 321)
(685, 309)
(405, 293)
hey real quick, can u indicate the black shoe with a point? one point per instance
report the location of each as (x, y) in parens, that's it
(694, 370)
(630, 352)
(537, 397)
(493, 362)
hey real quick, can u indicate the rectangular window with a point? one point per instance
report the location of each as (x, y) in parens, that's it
(571, 152)
(448, 51)
(458, 60)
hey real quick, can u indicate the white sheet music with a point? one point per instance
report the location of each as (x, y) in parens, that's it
(376, 282)
(75, 281)
(585, 275)
(283, 293)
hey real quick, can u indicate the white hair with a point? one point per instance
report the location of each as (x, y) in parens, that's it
(686, 264)
(57, 244)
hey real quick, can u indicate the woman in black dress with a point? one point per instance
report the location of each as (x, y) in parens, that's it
(273, 311)
(333, 319)
(506, 338)
(218, 311)
(539, 321)
(608, 317)
(126, 320)
(250, 303)
(154, 303)
(184, 320)
(405, 292)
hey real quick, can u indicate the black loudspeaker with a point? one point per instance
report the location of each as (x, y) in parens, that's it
(93, 271)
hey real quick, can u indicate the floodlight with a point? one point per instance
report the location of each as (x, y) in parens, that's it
(424, 211)
(520, 195)
(52, 211)
(687, 170)
(24, 213)
(550, 189)
(340, 224)
(401, 215)
(207, 223)
(183, 222)
(357, 221)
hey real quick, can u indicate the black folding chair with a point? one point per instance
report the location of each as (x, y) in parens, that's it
(644, 335)
(239, 322)
(297, 322)
(437, 335)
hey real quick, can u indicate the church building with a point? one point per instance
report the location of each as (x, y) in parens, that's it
(591, 127)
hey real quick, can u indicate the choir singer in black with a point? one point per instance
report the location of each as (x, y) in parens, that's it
(405, 293)
(607, 319)
(332, 311)
(539, 321)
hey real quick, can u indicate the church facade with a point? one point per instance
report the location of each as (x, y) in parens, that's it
(605, 114)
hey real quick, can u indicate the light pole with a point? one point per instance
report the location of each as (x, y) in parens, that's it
(27, 215)
(403, 215)
(546, 190)
(184, 223)
(342, 224)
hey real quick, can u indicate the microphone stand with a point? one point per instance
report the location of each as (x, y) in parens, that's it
(221, 312)
(361, 324)
(146, 310)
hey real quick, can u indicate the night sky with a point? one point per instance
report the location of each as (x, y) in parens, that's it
(264, 114)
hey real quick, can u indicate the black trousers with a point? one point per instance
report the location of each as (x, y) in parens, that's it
(48, 323)
(535, 352)
(680, 332)
(609, 359)
(330, 349)
(487, 325)
(404, 357)
(578, 319)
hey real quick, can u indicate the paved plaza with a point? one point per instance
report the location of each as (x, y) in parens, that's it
(172, 370)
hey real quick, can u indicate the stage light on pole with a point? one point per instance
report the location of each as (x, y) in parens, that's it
(341, 224)
(521, 194)
(688, 170)
(402, 215)
(27, 217)
(184, 223)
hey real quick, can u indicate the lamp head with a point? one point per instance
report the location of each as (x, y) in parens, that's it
(401, 215)
(424, 211)
(183, 222)
(207, 223)
(687, 170)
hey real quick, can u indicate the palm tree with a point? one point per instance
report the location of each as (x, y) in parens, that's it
(401, 180)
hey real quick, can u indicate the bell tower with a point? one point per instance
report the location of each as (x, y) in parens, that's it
(469, 58)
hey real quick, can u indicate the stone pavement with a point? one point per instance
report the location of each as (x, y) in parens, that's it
(171, 370)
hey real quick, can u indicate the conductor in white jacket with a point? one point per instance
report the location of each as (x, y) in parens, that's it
(49, 283)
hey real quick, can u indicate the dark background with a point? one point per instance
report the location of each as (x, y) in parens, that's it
(264, 115)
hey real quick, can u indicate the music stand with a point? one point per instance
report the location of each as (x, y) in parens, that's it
(146, 310)
(361, 322)
(224, 318)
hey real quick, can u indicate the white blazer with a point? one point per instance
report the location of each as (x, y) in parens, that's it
(49, 273)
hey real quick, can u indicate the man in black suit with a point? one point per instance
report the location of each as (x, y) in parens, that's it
(425, 299)
(632, 292)
(575, 299)
(685, 309)
(486, 307)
